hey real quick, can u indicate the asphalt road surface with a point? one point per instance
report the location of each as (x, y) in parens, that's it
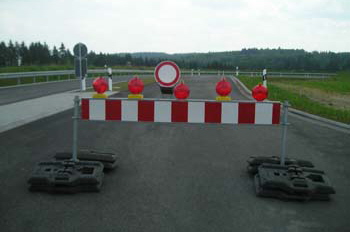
(172, 177)
(25, 92)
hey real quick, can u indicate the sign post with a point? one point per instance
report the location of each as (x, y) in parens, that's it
(264, 76)
(80, 53)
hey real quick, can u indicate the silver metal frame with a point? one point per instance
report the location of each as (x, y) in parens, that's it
(190, 100)
(284, 132)
(284, 122)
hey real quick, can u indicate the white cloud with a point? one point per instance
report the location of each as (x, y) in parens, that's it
(179, 26)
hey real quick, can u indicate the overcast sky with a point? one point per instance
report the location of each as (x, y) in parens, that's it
(177, 26)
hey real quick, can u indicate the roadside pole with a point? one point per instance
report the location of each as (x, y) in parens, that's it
(264, 76)
(110, 80)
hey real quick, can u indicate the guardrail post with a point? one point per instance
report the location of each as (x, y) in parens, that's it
(284, 132)
(47, 78)
(75, 129)
(18, 81)
(34, 79)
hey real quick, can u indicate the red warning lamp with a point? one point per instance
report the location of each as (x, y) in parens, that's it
(223, 87)
(181, 91)
(136, 85)
(100, 85)
(260, 92)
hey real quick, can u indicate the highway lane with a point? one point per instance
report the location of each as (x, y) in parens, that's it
(172, 177)
(25, 92)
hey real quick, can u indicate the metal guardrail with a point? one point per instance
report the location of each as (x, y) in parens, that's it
(94, 71)
(65, 72)
(290, 75)
(47, 74)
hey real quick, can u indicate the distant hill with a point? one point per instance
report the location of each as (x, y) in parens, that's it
(256, 59)
(13, 53)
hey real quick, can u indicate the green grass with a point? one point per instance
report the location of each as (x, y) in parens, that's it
(338, 84)
(301, 102)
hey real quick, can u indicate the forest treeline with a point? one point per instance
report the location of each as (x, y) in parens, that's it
(38, 53)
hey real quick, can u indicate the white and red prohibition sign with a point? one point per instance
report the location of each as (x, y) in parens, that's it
(167, 74)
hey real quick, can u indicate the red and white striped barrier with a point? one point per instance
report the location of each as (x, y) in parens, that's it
(192, 111)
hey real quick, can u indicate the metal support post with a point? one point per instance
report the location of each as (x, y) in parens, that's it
(47, 78)
(284, 132)
(75, 129)
(18, 81)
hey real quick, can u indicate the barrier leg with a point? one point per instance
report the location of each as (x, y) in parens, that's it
(284, 132)
(75, 129)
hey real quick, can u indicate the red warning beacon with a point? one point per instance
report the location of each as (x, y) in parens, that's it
(223, 89)
(260, 92)
(136, 87)
(181, 91)
(100, 85)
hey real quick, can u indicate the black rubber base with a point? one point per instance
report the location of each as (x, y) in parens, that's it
(109, 160)
(292, 183)
(166, 90)
(275, 193)
(255, 161)
(67, 177)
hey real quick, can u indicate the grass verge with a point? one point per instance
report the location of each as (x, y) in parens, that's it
(300, 101)
(339, 84)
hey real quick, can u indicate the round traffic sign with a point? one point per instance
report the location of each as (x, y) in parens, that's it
(167, 74)
(80, 50)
